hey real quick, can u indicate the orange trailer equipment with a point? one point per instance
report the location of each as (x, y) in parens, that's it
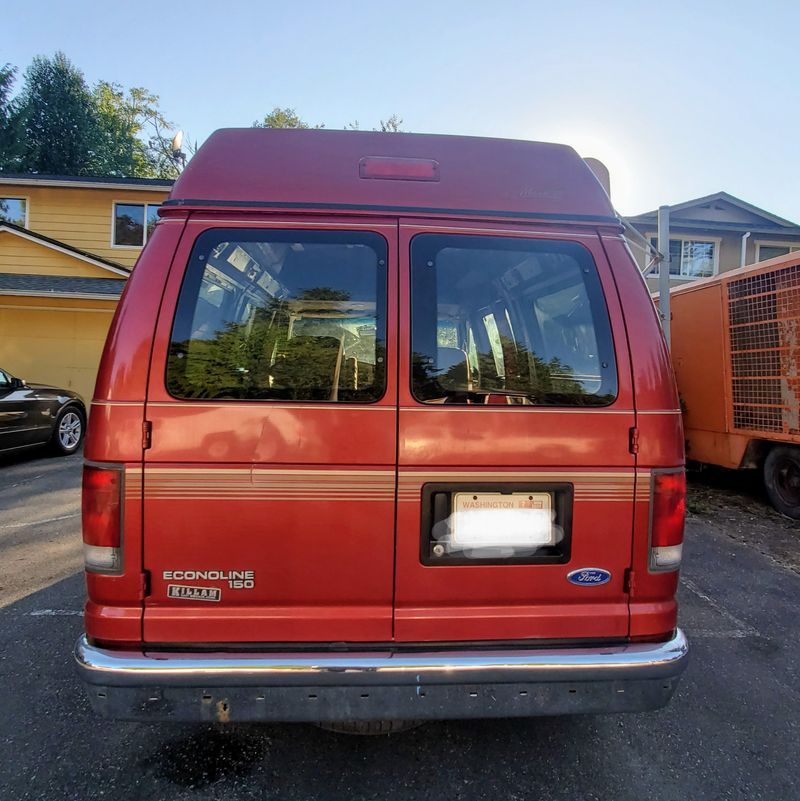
(736, 353)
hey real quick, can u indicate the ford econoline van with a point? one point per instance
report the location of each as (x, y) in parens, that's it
(385, 429)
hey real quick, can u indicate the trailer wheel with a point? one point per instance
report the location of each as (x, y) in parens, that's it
(782, 479)
(370, 726)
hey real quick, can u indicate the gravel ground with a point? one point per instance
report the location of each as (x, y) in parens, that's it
(733, 502)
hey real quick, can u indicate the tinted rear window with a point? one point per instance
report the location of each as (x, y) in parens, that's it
(505, 321)
(281, 315)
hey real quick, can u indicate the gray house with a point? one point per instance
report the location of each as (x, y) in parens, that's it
(713, 234)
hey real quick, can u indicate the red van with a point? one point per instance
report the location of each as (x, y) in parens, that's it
(385, 429)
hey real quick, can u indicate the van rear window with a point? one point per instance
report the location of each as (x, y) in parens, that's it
(281, 315)
(502, 321)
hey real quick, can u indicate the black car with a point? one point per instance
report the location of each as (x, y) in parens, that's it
(34, 414)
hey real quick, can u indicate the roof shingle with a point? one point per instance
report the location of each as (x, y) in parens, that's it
(12, 283)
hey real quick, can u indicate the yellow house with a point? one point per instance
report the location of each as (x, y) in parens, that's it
(67, 245)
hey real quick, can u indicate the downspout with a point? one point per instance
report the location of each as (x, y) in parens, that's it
(743, 258)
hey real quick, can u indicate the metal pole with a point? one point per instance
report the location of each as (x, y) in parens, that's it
(663, 270)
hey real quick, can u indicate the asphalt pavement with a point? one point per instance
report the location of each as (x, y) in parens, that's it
(732, 731)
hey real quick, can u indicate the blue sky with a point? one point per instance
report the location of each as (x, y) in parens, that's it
(703, 98)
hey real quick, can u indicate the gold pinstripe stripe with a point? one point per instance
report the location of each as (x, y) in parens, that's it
(309, 498)
(437, 407)
(297, 484)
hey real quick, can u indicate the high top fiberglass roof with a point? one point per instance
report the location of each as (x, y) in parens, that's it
(391, 172)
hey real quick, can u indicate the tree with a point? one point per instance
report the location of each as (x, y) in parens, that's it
(62, 133)
(392, 125)
(122, 152)
(137, 136)
(10, 123)
(59, 125)
(283, 118)
(289, 118)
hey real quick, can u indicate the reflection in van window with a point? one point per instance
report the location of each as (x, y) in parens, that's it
(524, 323)
(281, 315)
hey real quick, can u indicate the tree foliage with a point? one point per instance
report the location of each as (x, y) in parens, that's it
(283, 118)
(58, 124)
(289, 118)
(138, 138)
(123, 152)
(392, 125)
(10, 123)
(60, 128)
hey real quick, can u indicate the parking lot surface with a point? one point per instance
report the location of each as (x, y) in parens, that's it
(732, 730)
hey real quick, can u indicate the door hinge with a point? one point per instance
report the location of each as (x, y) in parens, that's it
(144, 589)
(147, 434)
(633, 440)
(629, 584)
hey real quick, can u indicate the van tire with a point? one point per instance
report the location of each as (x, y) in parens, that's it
(63, 443)
(782, 479)
(369, 727)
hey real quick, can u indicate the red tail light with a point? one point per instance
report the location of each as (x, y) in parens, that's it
(398, 169)
(102, 519)
(668, 509)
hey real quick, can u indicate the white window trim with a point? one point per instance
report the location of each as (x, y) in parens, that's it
(114, 205)
(27, 200)
(759, 243)
(713, 240)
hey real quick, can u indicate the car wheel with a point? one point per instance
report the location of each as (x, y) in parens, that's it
(69, 430)
(782, 479)
(370, 726)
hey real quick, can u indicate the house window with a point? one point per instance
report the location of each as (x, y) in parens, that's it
(690, 258)
(133, 223)
(14, 210)
(771, 250)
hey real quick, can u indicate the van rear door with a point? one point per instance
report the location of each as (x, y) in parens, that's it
(516, 480)
(269, 482)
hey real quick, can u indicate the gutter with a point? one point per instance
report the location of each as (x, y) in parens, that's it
(33, 293)
(743, 257)
(85, 184)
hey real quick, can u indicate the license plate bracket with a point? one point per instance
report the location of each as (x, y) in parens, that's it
(449, 537)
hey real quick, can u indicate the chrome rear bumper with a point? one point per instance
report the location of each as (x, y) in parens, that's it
(327, 686)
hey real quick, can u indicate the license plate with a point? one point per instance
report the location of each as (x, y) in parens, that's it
(519, 520)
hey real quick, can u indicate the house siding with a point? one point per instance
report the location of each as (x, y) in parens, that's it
(24, 257)
(81, 217)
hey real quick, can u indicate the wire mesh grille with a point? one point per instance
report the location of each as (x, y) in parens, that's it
(764, 320)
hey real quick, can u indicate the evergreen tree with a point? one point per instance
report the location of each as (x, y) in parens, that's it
(61, 129)
(11, 135)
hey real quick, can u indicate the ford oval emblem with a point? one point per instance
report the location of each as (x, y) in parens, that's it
(589, 576)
